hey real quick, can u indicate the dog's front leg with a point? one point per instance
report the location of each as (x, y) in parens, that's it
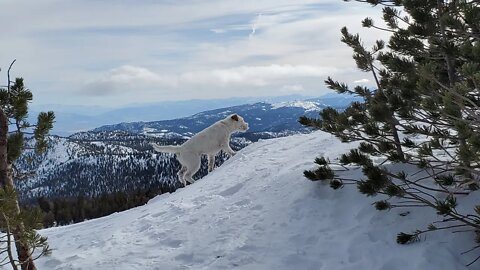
(229, 150)
(184, 182)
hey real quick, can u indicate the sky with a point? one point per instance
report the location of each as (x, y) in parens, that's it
(116, 53)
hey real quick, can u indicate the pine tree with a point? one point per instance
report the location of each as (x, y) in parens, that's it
(423, 110)
(18, 226)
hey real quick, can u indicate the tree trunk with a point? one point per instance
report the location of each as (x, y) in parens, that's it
(449, 62)
(396, 138)
(3, 148)
(6, 180)
(392, 121)
(452, 77)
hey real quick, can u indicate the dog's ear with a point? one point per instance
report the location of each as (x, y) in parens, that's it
(234, 117)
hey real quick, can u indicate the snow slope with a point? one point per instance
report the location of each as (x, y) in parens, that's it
(257, 211)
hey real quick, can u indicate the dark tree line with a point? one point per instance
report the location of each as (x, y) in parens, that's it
(101, 163)
(64, 211)
(99, 181)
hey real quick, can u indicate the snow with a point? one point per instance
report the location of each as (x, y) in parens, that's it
(148, 130)
(307, 105)
(257, 211)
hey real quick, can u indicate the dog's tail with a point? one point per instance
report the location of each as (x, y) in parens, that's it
(174, 149)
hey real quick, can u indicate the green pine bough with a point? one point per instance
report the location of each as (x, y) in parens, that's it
(418, 126)
(18, 226)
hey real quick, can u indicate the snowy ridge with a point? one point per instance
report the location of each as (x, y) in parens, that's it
(309, 106)
(257, 211)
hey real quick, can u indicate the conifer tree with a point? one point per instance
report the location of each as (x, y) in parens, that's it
(423, 110)
(19, 227)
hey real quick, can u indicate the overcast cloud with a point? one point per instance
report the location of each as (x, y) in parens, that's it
(121, 52)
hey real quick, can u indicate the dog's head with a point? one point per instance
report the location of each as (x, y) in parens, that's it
(238, 122)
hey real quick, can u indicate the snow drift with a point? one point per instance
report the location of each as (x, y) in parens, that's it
(257, 211)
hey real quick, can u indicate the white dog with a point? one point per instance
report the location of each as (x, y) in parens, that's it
(209, 141)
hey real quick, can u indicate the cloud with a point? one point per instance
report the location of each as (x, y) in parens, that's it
(362, 81)
(300, 36)
(140, 84)
(288, 89)
(254, 26)
(218, 30)
(223, 47)
(128, 73)
(124, 78)
(254, 75)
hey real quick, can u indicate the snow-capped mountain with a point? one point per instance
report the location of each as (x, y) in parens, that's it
(72, 119)
(256, 211)
(262, 117)
(119, 158)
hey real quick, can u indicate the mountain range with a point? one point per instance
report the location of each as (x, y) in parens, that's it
(118, 157)
(71, 119)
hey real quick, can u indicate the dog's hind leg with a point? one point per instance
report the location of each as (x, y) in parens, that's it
(181, 175)
(193, 162)
(211, 162)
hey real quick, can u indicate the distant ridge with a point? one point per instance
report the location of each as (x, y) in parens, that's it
(119, 157)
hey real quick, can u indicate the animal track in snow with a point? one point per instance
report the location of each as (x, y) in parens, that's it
(232, 190)
(257, 207)
(173, 243)
(243, 202)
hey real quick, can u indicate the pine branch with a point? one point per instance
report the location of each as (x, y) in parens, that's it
(470, 250)
(408, 205)
(382, 29)
(8, 75)
(413, 183)
(387, 3)
(472, 262)
(9, 241)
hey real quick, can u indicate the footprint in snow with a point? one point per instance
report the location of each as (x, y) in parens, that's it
(51, 263)
(186, 257)
(145, 227)
(232, 190)
(257, 207)
(192, 221)
(173, 243)
(244, 202)
(158, 214)
(144, 216)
